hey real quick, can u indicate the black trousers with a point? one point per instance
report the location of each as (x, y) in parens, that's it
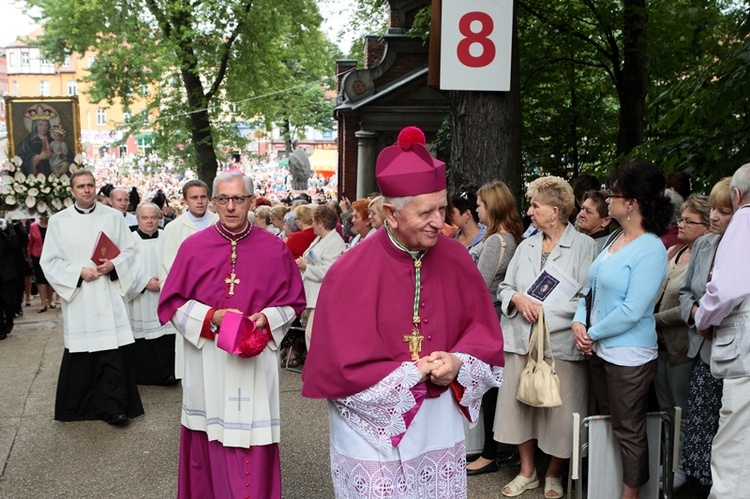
(622, 392)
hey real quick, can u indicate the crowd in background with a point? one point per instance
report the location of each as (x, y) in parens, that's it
(642, 251)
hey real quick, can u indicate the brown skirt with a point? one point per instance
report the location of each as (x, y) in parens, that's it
(516, 422)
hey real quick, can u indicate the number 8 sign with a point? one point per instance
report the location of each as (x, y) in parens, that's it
(476, 44)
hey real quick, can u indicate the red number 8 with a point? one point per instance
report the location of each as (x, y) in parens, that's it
(488, 47)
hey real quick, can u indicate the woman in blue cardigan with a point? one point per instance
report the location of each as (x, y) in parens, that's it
(619, 331)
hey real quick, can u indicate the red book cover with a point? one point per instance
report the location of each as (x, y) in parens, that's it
(104, 248)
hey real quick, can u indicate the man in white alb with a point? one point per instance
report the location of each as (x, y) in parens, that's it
(120, 200)
(196, 217)
(96, 380)
(153, 352)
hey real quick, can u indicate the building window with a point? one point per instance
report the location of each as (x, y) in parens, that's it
(101, 117)
(144, 90)
(24, 58)
(44, 88)
(15, 88)
(45, 62)
(91, 60)
(72, 87)
(11, 59)
(66, 62)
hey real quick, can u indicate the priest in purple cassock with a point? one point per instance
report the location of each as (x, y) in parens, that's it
(415, 348)
(230, 407)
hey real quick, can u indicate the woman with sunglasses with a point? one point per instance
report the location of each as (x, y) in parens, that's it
(619, 331)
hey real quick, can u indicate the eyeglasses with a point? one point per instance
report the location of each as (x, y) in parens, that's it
(610, 194)
(222, 200)
(688, 222)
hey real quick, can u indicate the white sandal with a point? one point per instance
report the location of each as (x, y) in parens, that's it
(553, 484)
(521, 484)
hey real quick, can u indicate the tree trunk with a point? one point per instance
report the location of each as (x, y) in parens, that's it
(632, 84)
(486, 132)
(200, 126)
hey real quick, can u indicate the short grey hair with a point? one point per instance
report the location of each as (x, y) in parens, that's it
(138, 209)
(231, 175)
(398, 203)
(290, 219)
(741, 181)
(699, 204)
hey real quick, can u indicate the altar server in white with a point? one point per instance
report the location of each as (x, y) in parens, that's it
(196, 217)
(96, 380)
(153, 352)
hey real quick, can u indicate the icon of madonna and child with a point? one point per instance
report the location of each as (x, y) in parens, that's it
(47, 148)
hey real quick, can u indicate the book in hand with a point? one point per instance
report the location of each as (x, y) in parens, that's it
(104, 248)
(543, 286)
(553, 284)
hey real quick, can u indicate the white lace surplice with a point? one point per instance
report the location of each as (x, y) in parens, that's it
(429, 460)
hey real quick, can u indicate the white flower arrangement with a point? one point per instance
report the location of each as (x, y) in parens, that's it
(35, 194)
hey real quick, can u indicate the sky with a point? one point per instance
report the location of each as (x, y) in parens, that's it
(14, 22)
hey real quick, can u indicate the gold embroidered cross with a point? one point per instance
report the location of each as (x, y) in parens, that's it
(415, 343)
(231, 280)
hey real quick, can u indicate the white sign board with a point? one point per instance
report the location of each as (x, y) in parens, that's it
(475, 45)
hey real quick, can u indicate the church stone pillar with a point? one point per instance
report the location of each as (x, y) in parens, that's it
(366, 156)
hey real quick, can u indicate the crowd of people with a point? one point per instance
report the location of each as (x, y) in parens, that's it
(418, 307)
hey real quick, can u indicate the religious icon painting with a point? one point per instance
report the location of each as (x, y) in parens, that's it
(45, 132)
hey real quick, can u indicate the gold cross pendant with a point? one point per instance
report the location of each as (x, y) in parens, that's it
(415, 343)
(231, 280)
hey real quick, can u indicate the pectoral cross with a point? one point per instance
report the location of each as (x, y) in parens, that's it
(231, 280)
(415, 343)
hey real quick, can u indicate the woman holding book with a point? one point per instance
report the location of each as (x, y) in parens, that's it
(556, 248)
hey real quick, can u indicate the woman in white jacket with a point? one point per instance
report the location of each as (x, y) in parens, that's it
(325, 249)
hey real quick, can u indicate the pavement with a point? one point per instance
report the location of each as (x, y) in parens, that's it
(40, 457)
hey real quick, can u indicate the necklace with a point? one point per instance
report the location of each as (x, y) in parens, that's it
(414, 339)
(623, 240)
(231, 279)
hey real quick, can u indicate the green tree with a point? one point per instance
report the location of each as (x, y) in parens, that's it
(705, 123)
(199, 55)
(591, 71)
(303, 103)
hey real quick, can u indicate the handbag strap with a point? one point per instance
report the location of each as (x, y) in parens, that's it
(538, 338)
(502, 253)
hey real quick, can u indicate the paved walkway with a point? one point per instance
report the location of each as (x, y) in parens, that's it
(40, 457)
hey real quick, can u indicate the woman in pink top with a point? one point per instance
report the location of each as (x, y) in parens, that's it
(37, 232)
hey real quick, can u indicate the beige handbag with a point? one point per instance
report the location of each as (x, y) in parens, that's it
(539, 385)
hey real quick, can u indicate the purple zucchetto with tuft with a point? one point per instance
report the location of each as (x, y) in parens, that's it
(407, 168)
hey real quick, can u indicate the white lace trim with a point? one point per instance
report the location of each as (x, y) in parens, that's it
(377, 412)
(438, 473)
(477, 377)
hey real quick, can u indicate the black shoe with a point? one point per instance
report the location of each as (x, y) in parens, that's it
(490, 468)
(20, 312)
(118, 420)
(508, 460)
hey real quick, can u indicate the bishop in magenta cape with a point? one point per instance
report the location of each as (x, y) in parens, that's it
(386, 427)
(232, 400)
